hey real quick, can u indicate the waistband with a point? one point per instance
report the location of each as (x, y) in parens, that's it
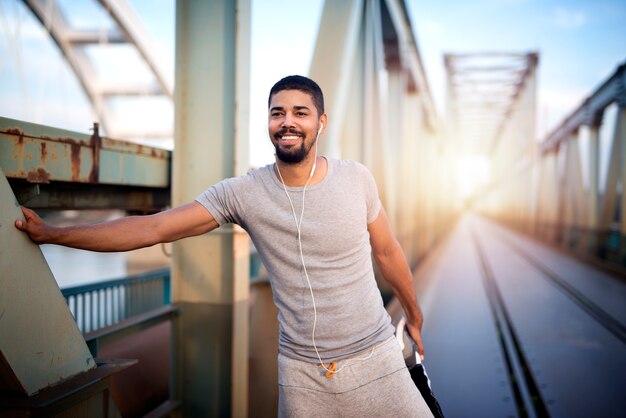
(357, 370)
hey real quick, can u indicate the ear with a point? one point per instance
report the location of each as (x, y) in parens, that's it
(323, 123)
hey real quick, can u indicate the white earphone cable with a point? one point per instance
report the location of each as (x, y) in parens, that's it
(306, 274)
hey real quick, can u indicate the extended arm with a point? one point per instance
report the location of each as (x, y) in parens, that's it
(122, 234)
(395, 269)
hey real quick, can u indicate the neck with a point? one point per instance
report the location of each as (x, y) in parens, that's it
(297, 175)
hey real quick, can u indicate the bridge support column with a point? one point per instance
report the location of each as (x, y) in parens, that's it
(210, 273)
(593, 194)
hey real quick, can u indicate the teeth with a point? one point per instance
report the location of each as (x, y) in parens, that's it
(290, 137)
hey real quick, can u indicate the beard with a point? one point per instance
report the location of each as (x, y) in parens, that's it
(294, 155)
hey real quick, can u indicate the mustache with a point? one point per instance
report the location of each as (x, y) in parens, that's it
(285, 131)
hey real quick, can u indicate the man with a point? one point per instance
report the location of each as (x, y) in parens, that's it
(316, 222)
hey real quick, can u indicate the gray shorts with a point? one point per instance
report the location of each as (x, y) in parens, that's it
(377, 387)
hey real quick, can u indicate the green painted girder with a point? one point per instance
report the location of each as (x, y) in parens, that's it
(50, 168)
(42, 154)
(40, 344)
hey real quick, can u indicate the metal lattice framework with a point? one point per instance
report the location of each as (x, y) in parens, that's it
(592, 204)
(381, 113)
(483, 91)
(564, 194)
(76, 44)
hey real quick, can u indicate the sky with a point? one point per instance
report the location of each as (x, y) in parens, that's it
(580, 44)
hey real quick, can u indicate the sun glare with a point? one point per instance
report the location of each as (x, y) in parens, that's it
(473, 171)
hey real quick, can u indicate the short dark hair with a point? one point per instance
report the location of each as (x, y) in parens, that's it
(303, 84)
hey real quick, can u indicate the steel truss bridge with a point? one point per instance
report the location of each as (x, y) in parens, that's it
(523, 297)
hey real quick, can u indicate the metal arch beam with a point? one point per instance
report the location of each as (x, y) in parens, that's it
(71, 43)
(88, 37)
(128, 22)
(55, 23)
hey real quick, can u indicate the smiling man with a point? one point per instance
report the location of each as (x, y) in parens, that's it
(287, 116)
(316, 223)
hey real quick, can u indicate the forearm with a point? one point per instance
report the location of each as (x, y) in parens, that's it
(394, 268)
(122, 234)
(396, 272)
(118, 235)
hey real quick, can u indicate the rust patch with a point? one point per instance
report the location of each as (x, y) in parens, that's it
(64, 140)
(96, 144)
(18, 152)
(44, 153)
(61, 140)
(14, 131)
(75, 162)
(38, 176)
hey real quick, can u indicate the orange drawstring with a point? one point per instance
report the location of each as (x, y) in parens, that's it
(332, 369)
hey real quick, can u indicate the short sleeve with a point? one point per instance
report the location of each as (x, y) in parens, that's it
(371, 196)
(221, 200)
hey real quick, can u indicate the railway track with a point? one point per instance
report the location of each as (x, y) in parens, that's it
(531, 389)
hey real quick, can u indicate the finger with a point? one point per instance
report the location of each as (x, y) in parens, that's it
(30, 219)
(28, 213)
(420, 347)
(417, 337)
(19, 223)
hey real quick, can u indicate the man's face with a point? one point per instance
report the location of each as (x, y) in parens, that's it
(293, 125)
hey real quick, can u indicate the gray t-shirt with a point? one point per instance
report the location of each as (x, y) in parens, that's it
(336, 248)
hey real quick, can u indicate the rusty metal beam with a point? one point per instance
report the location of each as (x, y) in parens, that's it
(74, 196)
(50, 168)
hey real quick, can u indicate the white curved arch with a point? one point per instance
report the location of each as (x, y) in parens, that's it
(126, 29)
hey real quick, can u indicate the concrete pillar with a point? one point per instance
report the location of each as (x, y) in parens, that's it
(211, 273)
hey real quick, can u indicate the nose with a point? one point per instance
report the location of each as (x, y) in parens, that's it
(287, 121)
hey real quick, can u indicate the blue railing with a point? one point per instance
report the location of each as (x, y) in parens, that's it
(103, 304)
(106, 303)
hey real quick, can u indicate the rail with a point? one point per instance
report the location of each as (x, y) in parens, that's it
(98, 305)
(109, 311)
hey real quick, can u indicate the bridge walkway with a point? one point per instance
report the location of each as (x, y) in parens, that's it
(514, 327)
